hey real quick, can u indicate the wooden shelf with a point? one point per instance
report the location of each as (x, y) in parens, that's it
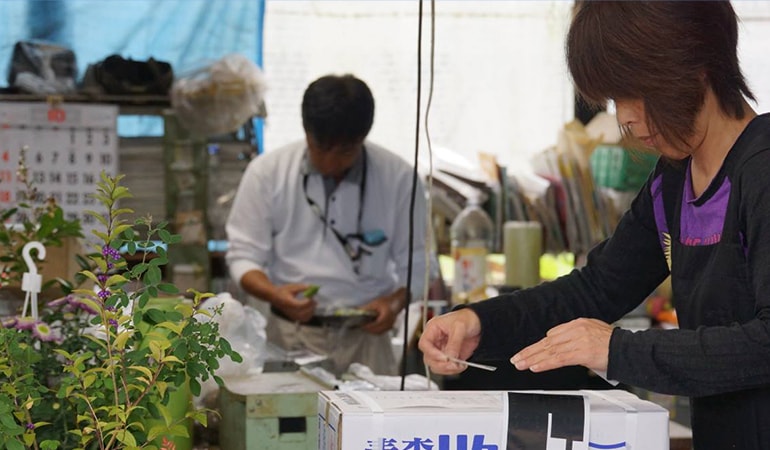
(128, 104)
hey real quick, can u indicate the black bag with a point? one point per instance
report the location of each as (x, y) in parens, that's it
(119, 76)
(42, 68)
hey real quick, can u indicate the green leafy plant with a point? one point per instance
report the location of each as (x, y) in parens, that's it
(100, 367)
(33, 221)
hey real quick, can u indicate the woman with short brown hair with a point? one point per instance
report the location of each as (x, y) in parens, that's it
(703, 218)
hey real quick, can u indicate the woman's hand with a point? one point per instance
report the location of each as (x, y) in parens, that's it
(454, 334)
(581, 342)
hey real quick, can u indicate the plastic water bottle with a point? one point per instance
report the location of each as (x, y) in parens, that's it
(472, 237)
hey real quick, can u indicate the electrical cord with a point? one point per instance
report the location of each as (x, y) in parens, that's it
(429, 237)
(415, 174)
(410, 263)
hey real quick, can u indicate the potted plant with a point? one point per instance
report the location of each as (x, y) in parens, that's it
(42, 223)
(101, 365)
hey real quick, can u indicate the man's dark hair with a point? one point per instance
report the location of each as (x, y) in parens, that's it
(337, 110)
(663, 52)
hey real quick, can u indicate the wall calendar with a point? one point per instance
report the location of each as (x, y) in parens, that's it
(67, 146)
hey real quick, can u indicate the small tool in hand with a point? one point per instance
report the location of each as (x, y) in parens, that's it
(472, 364)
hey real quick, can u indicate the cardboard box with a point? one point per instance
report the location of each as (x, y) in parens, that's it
(490, 420)
(60, 261)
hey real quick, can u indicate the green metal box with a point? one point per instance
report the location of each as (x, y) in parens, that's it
(269, 411)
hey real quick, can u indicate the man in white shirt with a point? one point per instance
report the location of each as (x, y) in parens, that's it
(330, 211)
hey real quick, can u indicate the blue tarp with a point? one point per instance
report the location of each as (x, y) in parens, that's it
(186, 33)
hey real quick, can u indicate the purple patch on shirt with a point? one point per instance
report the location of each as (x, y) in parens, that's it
(744, 245)
(659, 209)
(702, 225)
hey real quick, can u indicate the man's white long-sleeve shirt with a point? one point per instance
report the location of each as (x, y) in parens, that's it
(273, 228)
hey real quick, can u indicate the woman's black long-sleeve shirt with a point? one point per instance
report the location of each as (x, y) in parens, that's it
(716, 248)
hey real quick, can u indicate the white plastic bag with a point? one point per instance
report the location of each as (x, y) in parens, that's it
(244, 328)
(221, 97)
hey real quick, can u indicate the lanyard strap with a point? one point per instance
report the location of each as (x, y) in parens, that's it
(352, 253)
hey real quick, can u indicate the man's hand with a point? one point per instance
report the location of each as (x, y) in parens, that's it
(288, 300)
(454, 334)
(581, 342)
(387, 308)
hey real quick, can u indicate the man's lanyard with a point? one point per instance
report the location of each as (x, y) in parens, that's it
(354, 253)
